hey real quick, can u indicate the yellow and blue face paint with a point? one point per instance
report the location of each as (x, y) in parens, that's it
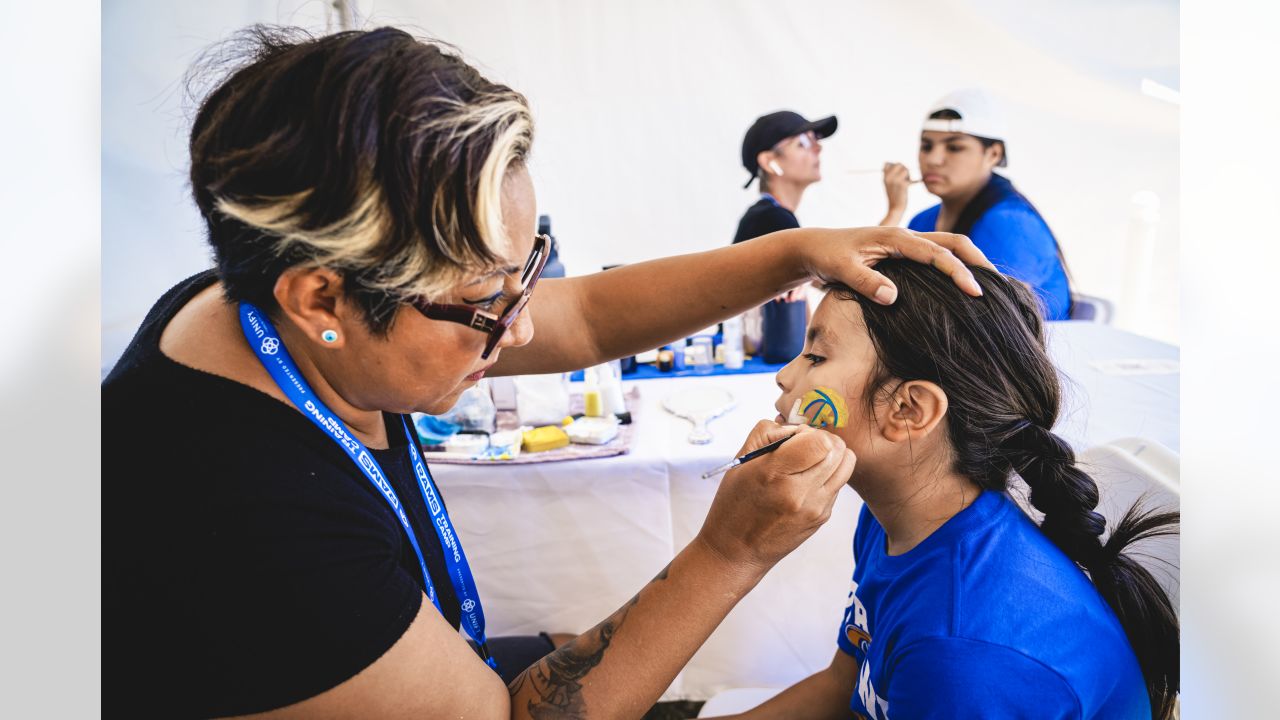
(820, 407)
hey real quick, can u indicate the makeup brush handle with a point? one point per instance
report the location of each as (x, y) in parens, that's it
(877, 171)
(749, 456)
(722, 469)
(764, 450)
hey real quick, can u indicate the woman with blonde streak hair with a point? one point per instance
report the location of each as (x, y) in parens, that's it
(274, 543)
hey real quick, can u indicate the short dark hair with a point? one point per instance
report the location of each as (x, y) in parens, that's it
(1003, 397)
(373, 153)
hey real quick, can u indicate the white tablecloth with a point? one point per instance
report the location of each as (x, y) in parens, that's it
(560, 546)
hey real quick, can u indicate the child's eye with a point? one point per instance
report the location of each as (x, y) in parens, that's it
(813, 359)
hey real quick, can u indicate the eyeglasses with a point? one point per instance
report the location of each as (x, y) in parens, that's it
(495, 325)
(804, 141)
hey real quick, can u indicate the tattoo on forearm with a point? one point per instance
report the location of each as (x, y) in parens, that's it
(555, 681)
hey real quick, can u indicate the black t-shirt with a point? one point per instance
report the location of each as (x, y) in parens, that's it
(247, 563)
(764, 217)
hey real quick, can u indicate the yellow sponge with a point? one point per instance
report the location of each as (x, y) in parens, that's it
(824, 407)
(547, 437)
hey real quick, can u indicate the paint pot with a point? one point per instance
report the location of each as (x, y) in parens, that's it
(784, 326)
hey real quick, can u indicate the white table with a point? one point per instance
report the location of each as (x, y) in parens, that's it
(560, 546)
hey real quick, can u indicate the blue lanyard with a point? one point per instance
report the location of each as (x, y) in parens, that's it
(771, 199)
(265, 341)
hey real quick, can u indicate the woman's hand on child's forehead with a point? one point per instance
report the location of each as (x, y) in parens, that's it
(847, 256)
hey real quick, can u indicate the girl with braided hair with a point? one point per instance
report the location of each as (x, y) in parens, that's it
(961, 606)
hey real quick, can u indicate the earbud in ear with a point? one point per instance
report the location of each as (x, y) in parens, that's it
(776, 168)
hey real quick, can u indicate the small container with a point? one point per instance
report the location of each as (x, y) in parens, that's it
(678, 361)
(467, 442)
(752, 331)
(609, 377)
(666, 360)
(592, 431)
(593, 403)
(700, 356)
(733, 359)
(731, 335)
(615, 401)
(733, 343)
(628, 364)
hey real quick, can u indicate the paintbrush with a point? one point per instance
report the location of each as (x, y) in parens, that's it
(819, 407)
(749, 456)
(878, 171)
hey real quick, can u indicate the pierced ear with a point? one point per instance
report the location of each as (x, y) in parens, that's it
(312, 299)
(915, 409)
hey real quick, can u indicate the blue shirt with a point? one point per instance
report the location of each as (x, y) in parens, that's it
(1017, 241)
(986, 618)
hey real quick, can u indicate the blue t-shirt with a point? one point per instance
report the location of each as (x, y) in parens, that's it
(1017, 241)
(986, 618)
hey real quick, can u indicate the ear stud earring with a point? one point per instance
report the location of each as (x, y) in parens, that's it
(329, 336)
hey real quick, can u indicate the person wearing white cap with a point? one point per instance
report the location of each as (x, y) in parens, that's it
(961, 145)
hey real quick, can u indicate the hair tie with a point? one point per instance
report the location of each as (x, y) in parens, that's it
(1010, 440)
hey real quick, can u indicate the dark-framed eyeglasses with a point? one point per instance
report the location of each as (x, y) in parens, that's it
(495, 325)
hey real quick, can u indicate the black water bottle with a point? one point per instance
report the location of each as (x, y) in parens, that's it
(783, 329)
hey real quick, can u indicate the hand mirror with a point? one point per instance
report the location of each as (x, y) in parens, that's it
(699, 406)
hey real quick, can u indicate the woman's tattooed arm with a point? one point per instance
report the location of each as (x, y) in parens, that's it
(556, 680)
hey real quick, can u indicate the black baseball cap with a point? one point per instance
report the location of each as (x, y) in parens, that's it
(769, 129)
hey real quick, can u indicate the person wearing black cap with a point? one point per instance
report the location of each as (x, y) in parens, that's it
(783, 150)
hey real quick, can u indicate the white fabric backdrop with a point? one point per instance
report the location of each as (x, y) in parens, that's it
(641, 109)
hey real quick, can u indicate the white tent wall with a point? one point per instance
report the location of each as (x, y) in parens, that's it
(641, 109)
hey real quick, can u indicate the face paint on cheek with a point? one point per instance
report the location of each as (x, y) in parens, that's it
(820, 407)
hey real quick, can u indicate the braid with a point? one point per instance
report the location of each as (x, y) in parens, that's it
(1067, 497)
(1060, 490)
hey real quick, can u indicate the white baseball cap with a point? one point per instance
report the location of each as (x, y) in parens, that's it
(979, 113)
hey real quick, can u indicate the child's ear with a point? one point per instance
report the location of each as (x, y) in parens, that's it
(915, 409)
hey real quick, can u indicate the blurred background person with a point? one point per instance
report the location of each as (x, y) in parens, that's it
(784, 151)
(962, 142)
